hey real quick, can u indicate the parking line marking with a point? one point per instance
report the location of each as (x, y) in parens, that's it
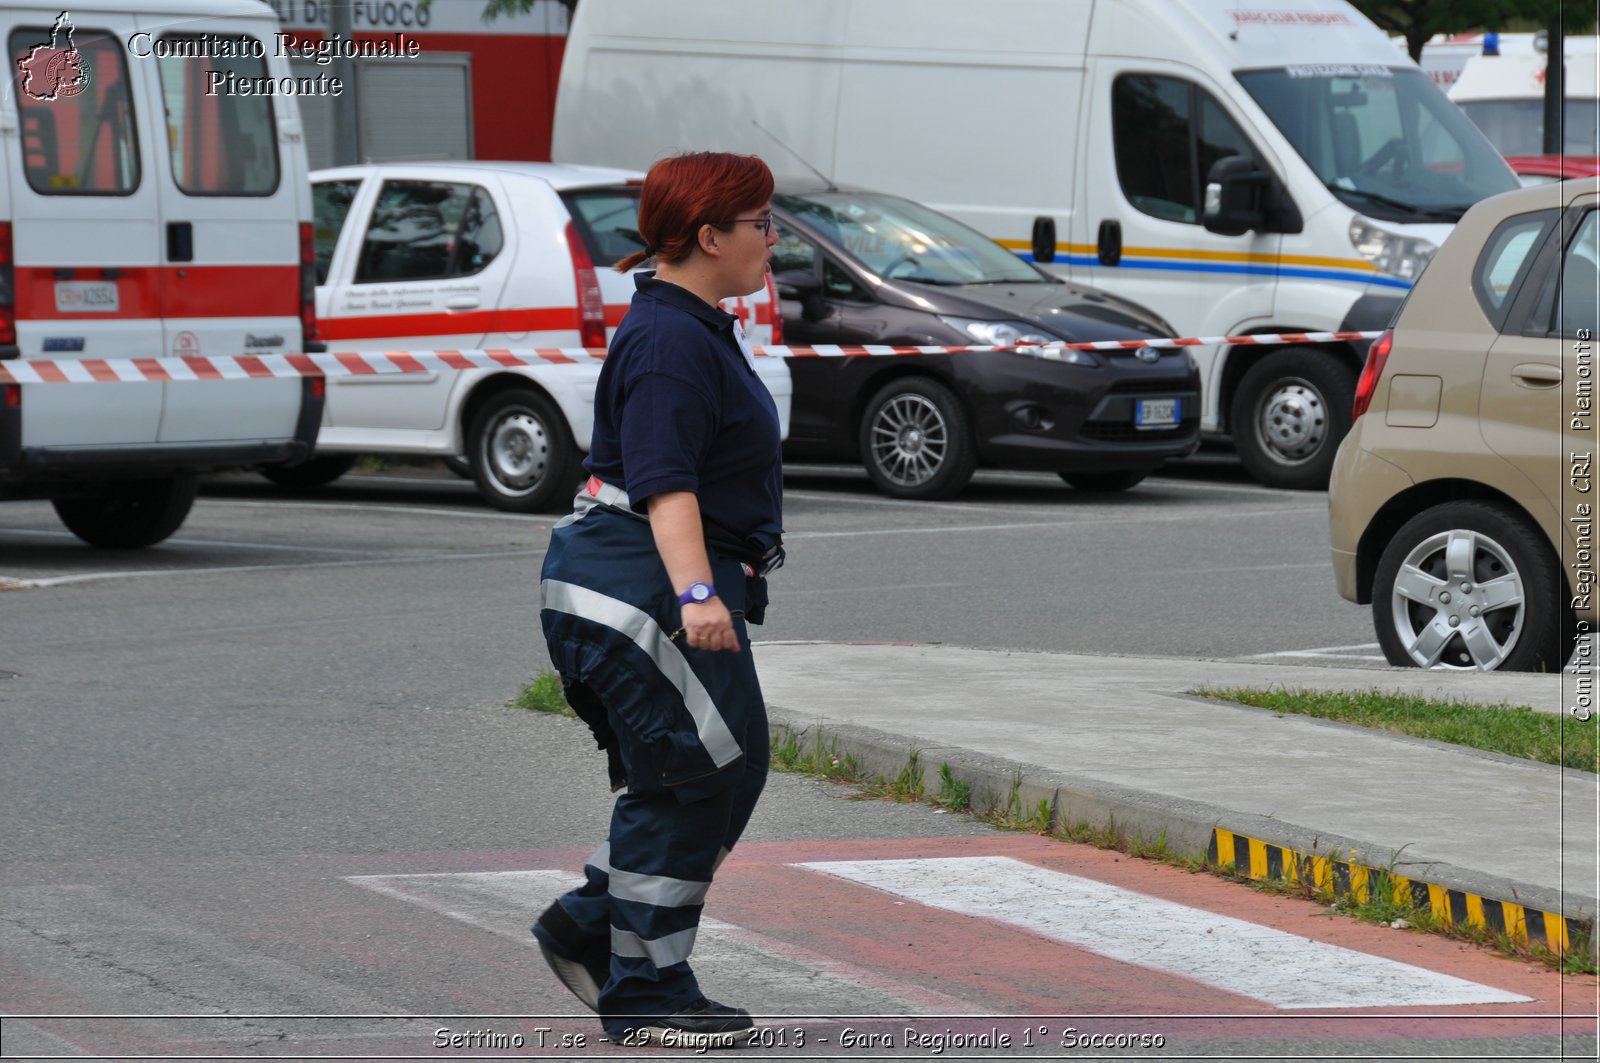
(1330, 651)
(1281, 969)
(1080, 525)
(20, 582)
(545, 521)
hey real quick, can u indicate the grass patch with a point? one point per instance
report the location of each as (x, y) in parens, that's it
(543, 695)
(1515, 730)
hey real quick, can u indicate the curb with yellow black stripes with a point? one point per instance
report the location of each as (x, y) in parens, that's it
(1256, 859)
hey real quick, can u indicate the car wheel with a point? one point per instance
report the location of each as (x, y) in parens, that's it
(523, 459)
(459, 465)
(1469, 585)
(1106, 482)
(131, 514)
(315, 472)
(1289, 415)
(915, 441)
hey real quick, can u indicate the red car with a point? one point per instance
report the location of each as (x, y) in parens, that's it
(1538, 169)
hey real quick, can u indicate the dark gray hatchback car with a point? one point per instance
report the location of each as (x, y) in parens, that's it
(856, 267)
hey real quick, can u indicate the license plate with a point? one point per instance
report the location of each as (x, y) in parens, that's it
(87, 297)
(1156, 413)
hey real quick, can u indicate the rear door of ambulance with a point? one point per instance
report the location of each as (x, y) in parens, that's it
(229, 173)
(83, 236)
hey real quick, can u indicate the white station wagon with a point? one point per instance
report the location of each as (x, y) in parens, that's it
(468, 255)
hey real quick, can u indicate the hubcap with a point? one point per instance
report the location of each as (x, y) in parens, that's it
(909, 440)
(1293, 422)
(1458, 602)
(517, 451)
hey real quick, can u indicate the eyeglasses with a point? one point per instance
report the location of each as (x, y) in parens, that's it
(764, 222)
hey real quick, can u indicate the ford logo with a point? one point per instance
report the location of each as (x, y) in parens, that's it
(1148, 354)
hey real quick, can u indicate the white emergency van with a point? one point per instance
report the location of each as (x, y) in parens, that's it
(468, 255)
(149, 207)
(1238, 167)
(1504, 96)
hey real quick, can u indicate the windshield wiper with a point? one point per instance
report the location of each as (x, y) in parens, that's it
(1432, 213)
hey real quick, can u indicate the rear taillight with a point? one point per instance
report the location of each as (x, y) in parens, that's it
(772, 309)
(591, 304)
(1367, 382)
(8, 289)
(319, 387)
(11, 397)
(308, 284)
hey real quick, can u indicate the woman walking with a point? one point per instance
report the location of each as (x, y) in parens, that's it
(644, 597)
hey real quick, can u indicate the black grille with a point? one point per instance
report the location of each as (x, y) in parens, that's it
(1122, 432)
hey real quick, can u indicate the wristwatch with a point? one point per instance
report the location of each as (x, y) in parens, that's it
(697, 593)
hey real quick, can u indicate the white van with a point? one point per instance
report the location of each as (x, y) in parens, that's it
(148, 209)
(466, 255)
(1504, 96)
(1236, 168)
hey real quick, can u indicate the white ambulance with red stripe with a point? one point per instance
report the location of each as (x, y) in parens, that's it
(146, 212)
(480, 255)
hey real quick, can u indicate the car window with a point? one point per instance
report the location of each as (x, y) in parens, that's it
(78, 136)
(223, 141)
(429, 230)
(1504, 258)
(1166, 134)
(608, 222)
(1578, 305)
(330, 205)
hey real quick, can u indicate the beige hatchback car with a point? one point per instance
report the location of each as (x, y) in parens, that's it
(1462, 503)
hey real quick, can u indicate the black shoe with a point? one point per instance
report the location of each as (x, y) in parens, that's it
(703, 1024)
(582, 963)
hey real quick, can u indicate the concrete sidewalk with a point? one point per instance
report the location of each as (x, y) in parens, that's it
(1119, 739)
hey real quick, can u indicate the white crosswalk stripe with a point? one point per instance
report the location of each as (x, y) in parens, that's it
(1278, 968)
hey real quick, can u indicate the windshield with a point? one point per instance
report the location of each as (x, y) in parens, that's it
(1383, 139)
(1516, 127)
(900, 240)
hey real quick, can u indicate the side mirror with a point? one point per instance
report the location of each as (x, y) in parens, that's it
(1240, 196)
(802, 285)
(1235, 196)
(1044, 240)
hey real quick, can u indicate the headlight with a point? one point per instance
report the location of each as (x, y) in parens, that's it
(1396, 255)
(1012, 333)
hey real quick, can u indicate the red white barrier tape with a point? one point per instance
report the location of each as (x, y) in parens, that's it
(282, 366)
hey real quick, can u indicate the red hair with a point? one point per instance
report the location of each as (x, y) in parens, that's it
(684, 192)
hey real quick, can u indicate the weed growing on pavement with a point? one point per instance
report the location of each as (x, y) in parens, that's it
(1515, 730)
(819, 761)
(954, 794)
(543, 695)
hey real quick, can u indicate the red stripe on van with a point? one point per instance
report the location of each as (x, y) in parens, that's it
(145, 292)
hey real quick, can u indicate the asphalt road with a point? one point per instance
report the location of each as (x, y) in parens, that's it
(244, 771)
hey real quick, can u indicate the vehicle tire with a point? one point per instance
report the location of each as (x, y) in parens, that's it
(1289, 415)
(132, 513)
(314, 472)
(1486, 568)
(915, 442)
(459, 465)
(522, 456)
(1106, 482)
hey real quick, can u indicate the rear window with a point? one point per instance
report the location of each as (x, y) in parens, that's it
(1505, 259)
(223, 142)
(78, 135)
(607, 221)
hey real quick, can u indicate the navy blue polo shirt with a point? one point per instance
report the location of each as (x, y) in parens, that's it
(678, 408)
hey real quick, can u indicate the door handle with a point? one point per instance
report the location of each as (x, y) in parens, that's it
(1537, 374)
(1109, 245)
(180, 241)
(462, 302)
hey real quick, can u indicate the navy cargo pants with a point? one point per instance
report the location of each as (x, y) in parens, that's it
(691, 730)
